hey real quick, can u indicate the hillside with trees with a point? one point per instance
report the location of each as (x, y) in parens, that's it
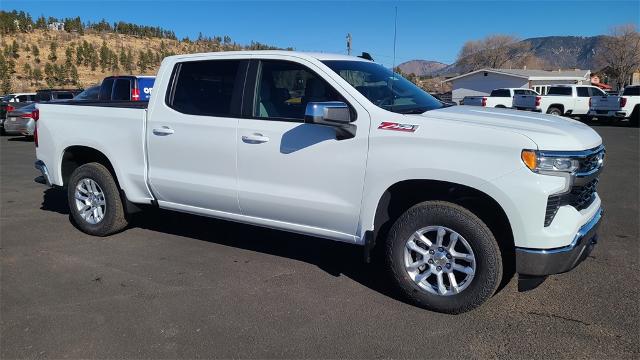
(34, 55)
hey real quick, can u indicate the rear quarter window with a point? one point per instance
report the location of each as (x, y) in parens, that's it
(631, 91)
(559, 90)
(500, 93)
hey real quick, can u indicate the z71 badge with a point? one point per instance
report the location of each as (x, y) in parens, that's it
(397, 127)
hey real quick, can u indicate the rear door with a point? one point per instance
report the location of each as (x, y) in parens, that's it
(581, 104)
(295, 175)
(191, 136)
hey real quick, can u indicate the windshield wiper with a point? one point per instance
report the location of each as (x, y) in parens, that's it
(414, 111)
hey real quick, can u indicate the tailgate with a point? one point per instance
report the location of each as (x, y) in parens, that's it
(524, 101)
(473, 100)
(605, 103)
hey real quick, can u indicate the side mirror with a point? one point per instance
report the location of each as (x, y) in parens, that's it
(331, 113)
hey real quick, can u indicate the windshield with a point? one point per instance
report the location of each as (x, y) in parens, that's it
(383, 88)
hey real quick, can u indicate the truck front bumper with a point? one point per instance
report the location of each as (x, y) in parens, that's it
(543, 262)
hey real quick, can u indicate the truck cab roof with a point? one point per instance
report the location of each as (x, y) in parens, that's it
(305, 55)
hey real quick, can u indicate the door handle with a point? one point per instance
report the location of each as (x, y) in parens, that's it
(163, 131)
(255, 138)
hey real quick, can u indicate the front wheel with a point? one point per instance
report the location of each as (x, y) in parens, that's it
(94, 200)
(442, 257)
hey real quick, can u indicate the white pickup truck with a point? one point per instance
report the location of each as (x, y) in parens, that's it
(498, 98)
(338, 147)
(567, 100)
(627, 105)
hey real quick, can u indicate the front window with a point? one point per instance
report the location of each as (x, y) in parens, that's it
(384, 88)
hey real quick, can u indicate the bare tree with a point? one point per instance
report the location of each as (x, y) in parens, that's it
(620, 53)
(494, 51)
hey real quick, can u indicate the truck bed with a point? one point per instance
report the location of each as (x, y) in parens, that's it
(116, 129)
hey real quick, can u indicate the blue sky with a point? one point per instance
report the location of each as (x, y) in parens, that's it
(432, 30)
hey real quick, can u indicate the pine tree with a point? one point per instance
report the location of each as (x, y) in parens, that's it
(68, 54)
(36, 75)
(26, 68)
(53, 51)
(5, 75)
(36, 53)
(15, 48)
(142, 61)
(104, 56)
(80, 54)
(72, 71)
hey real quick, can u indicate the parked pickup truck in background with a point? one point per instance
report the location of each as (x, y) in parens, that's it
(627, 105)
(569, 100)
(499, 98)
(361, 156)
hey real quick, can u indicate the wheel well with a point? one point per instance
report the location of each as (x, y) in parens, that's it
(501, 106)
(558, 106)
(405, 194)
(76, 156)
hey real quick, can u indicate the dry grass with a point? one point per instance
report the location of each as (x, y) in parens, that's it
(42, 39)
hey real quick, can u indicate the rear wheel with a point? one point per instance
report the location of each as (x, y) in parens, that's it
(94, 200)
(443, 257)
(634, 119)
(554, 111)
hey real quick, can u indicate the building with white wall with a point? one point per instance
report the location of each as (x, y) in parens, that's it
(481, 82)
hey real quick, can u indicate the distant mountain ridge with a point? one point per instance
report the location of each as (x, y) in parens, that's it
(567, 51)
(421, 67)
(558, 52)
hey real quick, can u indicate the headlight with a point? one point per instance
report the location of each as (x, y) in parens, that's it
(548, 164)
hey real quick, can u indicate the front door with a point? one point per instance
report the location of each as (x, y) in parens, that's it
(292, 174)
(192, 137)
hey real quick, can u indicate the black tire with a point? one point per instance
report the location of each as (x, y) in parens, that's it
(488, 258)
(114, 219)
(554, 111)
(634, 119)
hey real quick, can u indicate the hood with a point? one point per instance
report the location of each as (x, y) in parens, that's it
(549, 132)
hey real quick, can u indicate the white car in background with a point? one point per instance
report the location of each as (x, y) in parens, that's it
(499, 98)
(564, 100)
(624, 106)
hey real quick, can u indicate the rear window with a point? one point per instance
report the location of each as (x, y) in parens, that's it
(631, 91)
(63, 95)
(122, 90)
(559, 90)
(500, 93)
(524, 92)
(206, 87)
(583, 92)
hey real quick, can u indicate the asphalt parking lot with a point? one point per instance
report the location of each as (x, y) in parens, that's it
(179, 286)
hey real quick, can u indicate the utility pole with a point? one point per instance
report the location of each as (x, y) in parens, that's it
(349, 44)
